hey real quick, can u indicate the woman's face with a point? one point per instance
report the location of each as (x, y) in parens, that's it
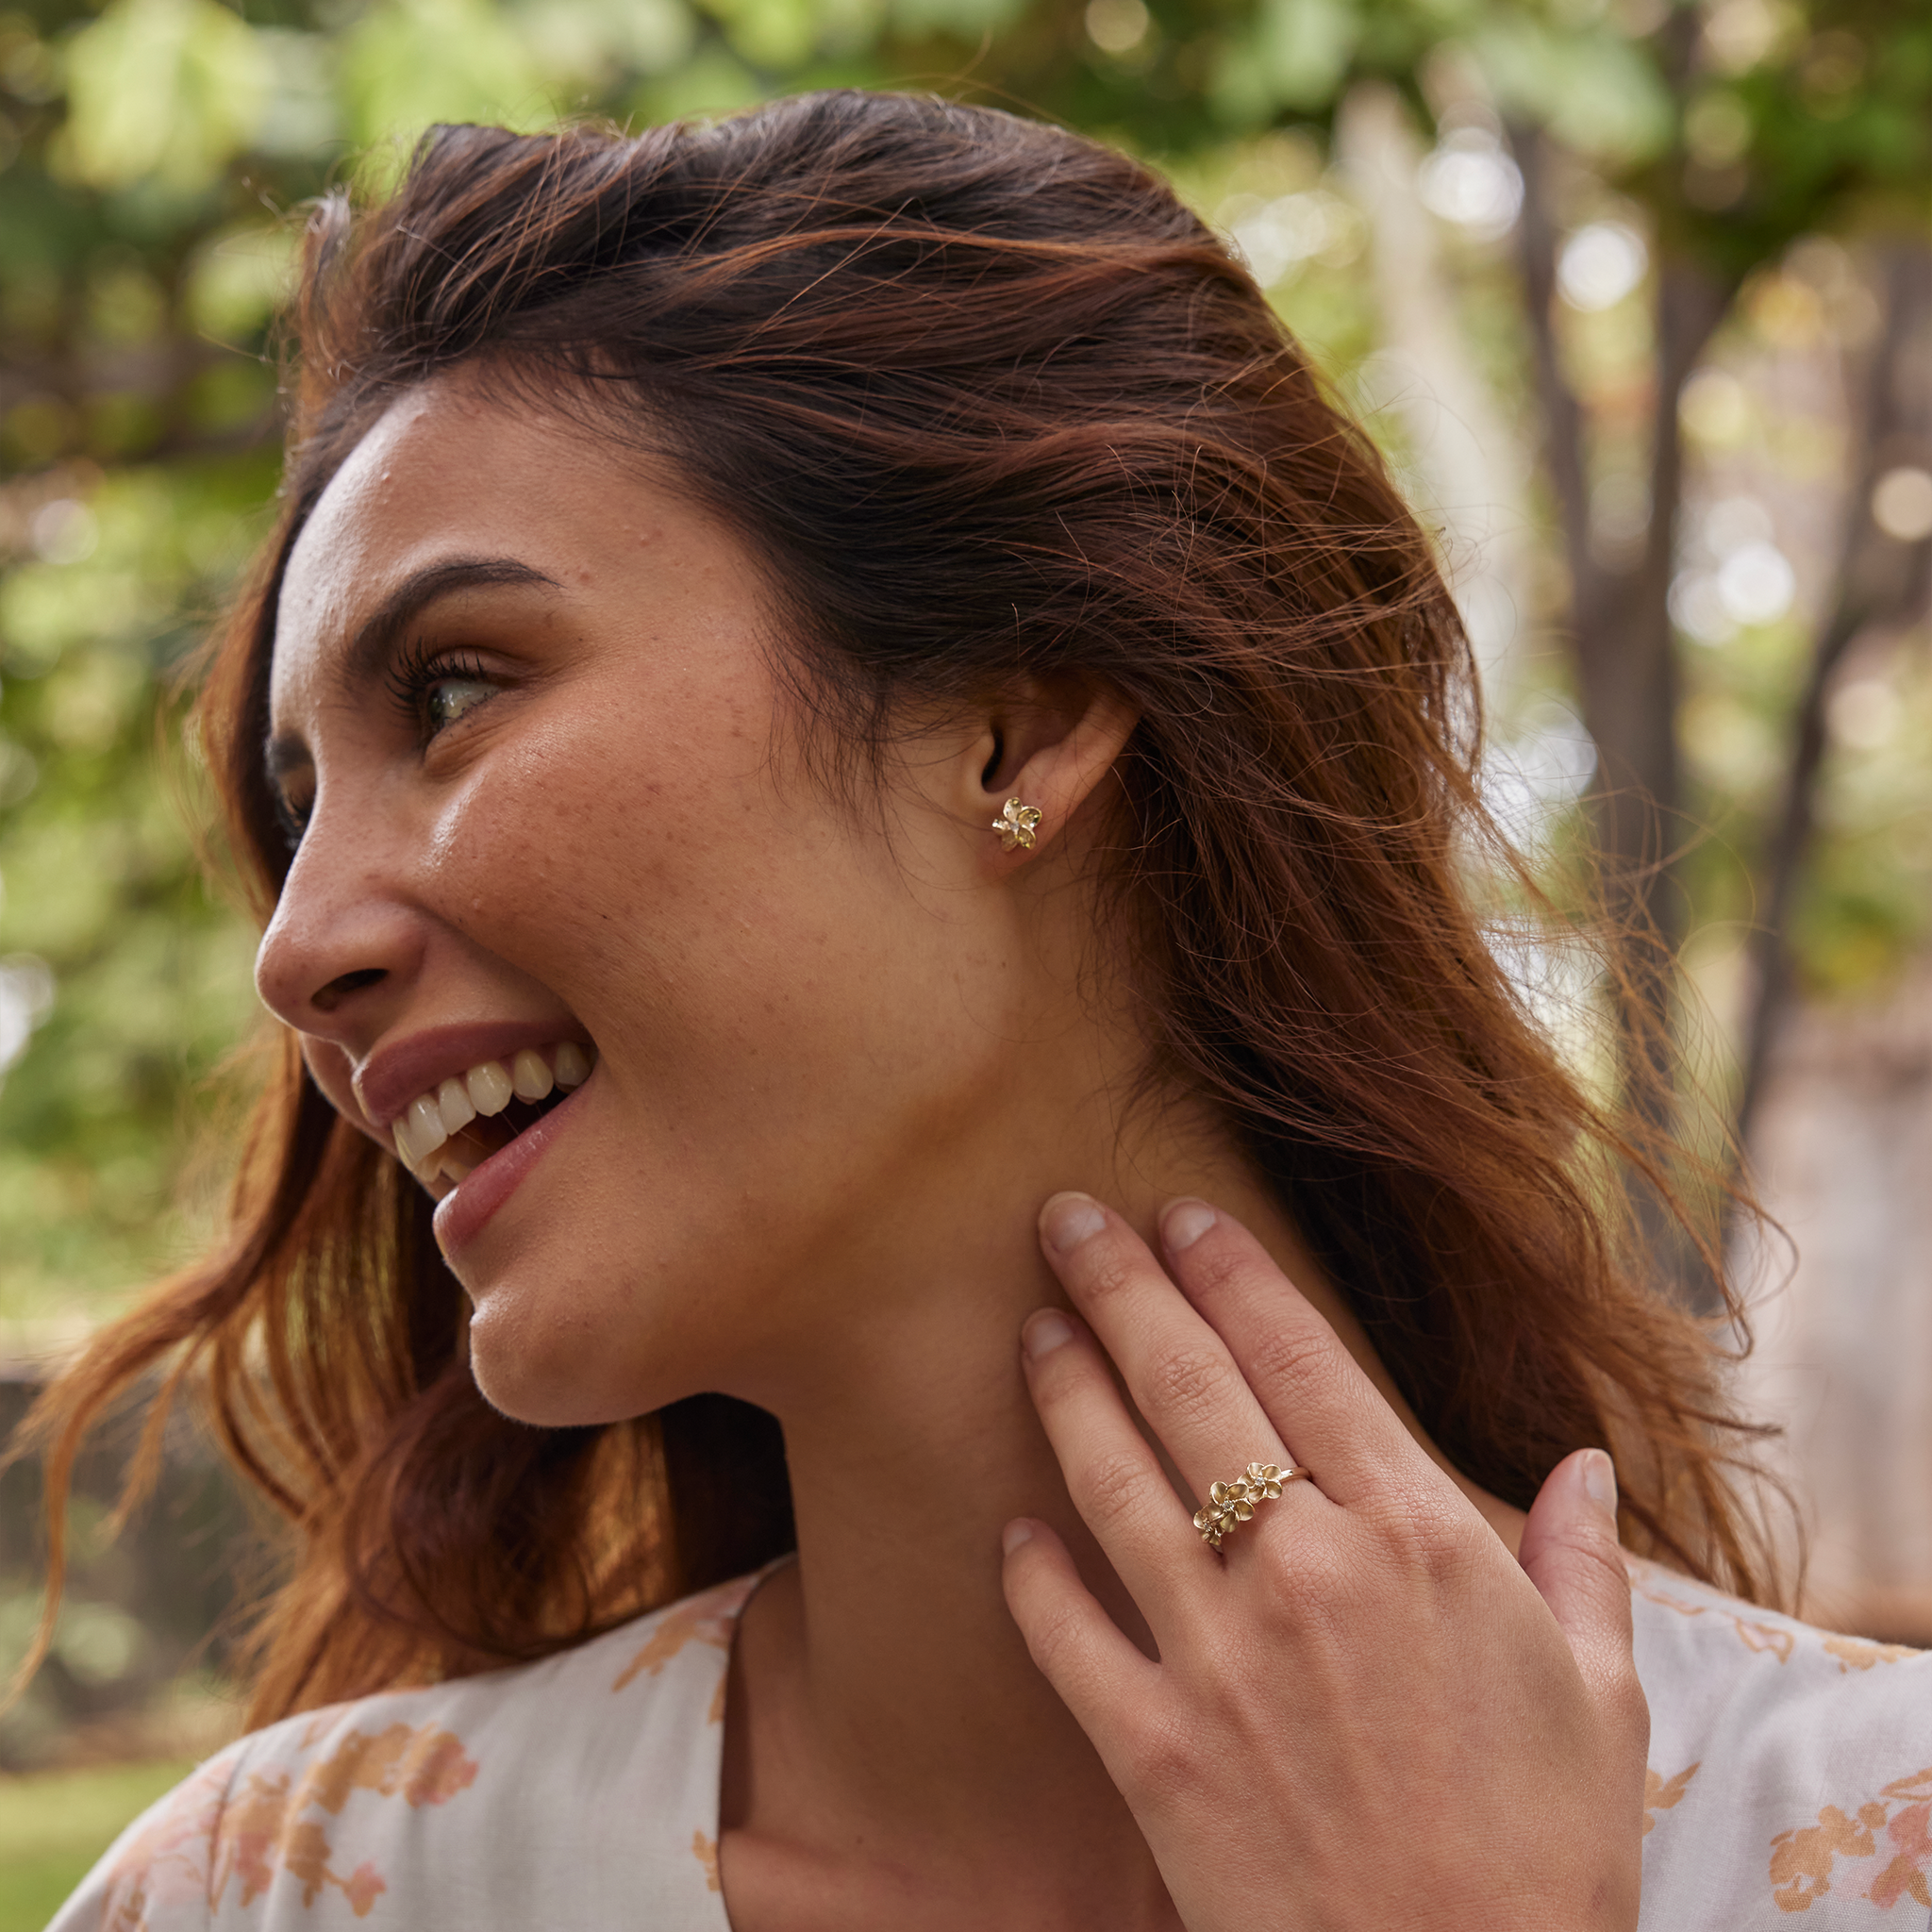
(524, 707)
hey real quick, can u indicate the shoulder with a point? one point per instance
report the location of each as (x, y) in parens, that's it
(486, 1801)
(1790, 1768)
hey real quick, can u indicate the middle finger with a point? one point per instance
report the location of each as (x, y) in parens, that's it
(1178, 1369)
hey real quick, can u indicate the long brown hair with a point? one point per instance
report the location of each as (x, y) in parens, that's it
(990, 404)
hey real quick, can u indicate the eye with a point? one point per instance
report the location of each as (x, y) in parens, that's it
(448, 698)
(436, 690)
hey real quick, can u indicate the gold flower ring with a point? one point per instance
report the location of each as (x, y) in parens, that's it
(1231, 1503)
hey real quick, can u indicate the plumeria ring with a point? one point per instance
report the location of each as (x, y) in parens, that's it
(1231, 1503)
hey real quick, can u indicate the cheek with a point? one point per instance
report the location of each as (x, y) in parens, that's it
(593, 818)
(783, 1026)
(683, 902)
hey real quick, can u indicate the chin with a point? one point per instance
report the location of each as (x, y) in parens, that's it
(552, 1370)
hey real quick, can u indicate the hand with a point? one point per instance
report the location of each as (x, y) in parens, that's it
(1366, 1713)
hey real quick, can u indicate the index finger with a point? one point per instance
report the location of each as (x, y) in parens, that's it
(1333, 1419)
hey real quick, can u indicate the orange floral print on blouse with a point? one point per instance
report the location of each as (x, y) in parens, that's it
(1804, 1861)
(1662, 1794)
(706, 1619)
(216, 1832)
(705, 1850)
(1766, 1638)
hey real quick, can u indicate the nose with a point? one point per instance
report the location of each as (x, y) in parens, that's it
(343, 948)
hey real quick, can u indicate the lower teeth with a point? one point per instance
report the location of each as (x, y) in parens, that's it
(463, 1153)
(466, 1150)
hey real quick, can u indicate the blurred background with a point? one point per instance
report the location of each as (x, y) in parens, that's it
(1636, 294)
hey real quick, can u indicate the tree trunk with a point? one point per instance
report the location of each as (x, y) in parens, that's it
(1621, 635)
(1877, 581)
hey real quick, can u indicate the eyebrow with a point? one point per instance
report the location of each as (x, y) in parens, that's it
(376, 637)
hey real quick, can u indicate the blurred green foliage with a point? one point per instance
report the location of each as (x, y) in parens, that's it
(148, 975)
(155, 156)
(53, 1828)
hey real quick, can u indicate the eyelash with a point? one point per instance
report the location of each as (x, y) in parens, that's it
(417, 671)
(293, 826)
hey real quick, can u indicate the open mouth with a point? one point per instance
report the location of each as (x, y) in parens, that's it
(443, 1134)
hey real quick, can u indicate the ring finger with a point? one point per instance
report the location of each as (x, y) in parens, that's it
(1116, 1480)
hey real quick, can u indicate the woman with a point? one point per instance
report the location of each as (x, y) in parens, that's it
(861, 797)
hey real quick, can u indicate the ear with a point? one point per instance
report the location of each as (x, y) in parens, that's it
(1048, 746)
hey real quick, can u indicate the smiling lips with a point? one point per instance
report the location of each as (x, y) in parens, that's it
(454, 1127)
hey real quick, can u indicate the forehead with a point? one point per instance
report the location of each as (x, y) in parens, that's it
(448, 476)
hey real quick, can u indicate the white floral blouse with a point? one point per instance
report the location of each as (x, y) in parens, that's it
(1790, 1773)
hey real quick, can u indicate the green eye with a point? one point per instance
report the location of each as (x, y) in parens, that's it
(449, 698)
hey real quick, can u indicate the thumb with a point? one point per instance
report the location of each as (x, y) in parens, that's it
(1569, 1553)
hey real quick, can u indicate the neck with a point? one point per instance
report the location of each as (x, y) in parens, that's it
(888, 1725)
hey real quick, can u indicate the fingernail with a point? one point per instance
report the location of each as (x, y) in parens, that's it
(1068, 1220)
(1017, 1532)
(1600, 1481)
(1185, 1222)
(1046, 1332)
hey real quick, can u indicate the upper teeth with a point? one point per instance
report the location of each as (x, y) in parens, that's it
(431, 1118)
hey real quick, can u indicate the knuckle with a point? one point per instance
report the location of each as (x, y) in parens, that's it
(1290, 1585)
(1630, 1708)
(1592, 1563)
(1449, 1552)
(1064, 1376)
(1106, 1271)
(1053, 1634)
(1115, 1485)
(1322, 1591)
(1191, 1382)
(1290, 1358)
(1606, 1559)
(1164, 1751)
(1431, 1533)
(1310, 1567)
(1215, 1267)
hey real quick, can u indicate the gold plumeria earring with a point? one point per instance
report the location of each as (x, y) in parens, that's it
(1016, 825)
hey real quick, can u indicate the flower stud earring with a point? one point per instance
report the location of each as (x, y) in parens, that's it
(1016, 825)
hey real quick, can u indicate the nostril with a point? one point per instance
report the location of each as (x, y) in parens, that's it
(338, 989)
